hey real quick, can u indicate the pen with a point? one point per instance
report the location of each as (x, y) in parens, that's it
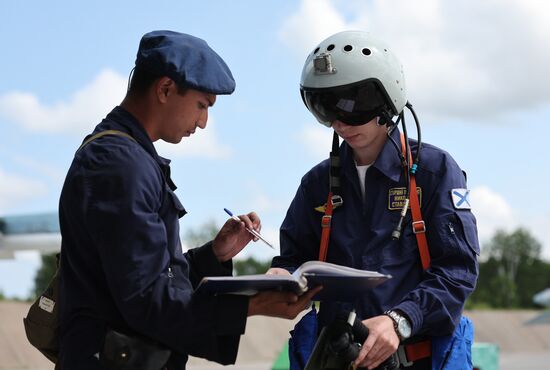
(251, 231)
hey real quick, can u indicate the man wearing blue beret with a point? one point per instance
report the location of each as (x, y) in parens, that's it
(127, 288)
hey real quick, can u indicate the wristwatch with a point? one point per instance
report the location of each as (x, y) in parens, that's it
(401, 325)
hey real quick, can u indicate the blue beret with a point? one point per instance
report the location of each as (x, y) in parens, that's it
(187, 60)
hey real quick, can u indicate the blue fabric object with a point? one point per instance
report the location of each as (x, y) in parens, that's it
(122, 264)
(454, 352)
(302, 340)
(361, 237)
(186, 59)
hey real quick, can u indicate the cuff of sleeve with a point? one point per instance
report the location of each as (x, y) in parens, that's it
(209, 264)
(231, 314)
(413, 313)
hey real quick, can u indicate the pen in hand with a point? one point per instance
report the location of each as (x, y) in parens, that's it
(251, 231)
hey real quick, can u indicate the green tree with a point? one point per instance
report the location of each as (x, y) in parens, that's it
(205, 233)
(45, 273)
(250, 266)
(2, 226)
(2, 296)
(512, 273)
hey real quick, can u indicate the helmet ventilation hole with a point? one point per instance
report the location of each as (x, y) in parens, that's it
(316, 50)
(330, 47)
(366, 51)
(348, 48)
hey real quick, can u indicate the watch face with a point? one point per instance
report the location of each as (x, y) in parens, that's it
(404, 328)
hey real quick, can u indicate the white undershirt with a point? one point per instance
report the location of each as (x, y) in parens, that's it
(362, 172)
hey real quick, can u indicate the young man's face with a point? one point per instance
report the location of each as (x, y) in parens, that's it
(360, 137)
(184, 113)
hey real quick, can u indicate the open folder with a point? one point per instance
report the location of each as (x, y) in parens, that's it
(340, 283)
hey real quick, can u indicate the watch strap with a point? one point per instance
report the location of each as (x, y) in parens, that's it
(396, 317)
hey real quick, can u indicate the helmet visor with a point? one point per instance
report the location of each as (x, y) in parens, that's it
(353, 105)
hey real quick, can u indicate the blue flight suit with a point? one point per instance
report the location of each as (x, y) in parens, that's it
(122, 265)
(361, 237)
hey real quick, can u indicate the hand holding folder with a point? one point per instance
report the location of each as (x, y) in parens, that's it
(340, 283)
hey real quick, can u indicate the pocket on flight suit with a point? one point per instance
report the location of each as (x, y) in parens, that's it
(174, 200)
(462, 227)
(458, 235)
(405, 246)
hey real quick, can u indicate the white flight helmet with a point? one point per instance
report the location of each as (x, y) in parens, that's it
(353, 77)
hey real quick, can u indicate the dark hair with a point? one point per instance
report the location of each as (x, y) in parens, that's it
(141, 80)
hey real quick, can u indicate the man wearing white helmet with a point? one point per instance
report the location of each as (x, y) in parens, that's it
(353, 83)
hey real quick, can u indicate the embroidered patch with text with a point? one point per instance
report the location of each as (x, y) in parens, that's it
(397, 196)
(46, 304)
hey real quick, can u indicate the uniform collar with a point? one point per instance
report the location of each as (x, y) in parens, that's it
(120, 119)
(387, 162)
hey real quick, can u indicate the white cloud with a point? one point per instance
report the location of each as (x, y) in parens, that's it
(316, 139)
(81, 112)
(314, 21)
(15, 189)
(467, 59)
(203, 143)
(43, 168)
(262, 203)
(494, 213)
(86, 107)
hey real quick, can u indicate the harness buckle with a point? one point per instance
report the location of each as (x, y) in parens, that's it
(326, 220)
(336, 201)
(418, 227)
(402, 357)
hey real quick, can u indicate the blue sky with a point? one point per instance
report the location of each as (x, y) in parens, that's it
(476, 73)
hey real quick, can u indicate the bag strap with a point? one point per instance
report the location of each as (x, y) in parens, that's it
(103, 133)
(418, 224)
(86, 142)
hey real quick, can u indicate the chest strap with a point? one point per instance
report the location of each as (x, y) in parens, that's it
(418, 224)
(410, 353)
(334, 200)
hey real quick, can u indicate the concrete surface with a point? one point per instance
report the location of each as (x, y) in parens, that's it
(521, 346)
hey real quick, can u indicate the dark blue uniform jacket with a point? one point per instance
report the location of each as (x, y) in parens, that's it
(122, 263)
(361, 237)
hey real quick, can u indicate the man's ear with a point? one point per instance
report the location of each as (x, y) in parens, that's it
(163, 88)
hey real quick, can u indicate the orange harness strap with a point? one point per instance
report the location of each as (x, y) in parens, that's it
(418, 225)
(325, 224)
(417, 351)
(420, 350)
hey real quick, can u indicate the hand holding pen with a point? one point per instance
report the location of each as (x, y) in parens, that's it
(234, 236)
(251, 231)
